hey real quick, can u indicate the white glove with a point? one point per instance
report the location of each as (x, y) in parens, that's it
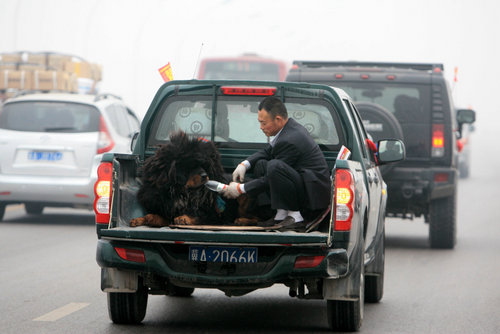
(239, 173)
(232, 191)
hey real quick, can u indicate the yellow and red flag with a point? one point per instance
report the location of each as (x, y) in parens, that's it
(166, 72)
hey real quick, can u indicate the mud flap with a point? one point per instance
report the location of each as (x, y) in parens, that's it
(114, 280)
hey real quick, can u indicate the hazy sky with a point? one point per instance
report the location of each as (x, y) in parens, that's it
(131, 39)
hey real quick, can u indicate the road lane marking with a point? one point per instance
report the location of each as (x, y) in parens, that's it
(62, 312)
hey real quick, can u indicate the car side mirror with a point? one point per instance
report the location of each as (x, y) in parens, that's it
(390, 150)
(133, 141)
(466, 116)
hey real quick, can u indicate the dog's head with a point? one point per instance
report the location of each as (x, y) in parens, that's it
(182, 175)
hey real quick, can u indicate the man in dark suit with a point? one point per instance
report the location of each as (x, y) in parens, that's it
(291, 170)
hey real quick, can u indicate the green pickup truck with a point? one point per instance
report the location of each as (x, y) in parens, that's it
(338, 258)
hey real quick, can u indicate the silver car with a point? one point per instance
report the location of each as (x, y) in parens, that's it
(51, 145)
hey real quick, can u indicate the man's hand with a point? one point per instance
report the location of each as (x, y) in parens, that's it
(232, 191)
(239, 173)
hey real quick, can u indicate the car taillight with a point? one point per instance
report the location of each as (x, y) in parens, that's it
(441, 177)
(259, 91)
(344, 199)
(437, 150)
(105, 142)
(102, 192)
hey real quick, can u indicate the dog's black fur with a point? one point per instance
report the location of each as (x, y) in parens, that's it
(172, 191)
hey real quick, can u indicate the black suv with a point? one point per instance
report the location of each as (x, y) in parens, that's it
(412, 102)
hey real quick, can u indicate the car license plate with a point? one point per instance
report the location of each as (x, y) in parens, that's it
(223, 254)
(44, 156)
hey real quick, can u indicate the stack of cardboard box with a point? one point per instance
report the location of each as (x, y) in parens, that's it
(47, 72)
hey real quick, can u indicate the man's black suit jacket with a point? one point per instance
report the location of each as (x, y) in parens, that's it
(297, 148)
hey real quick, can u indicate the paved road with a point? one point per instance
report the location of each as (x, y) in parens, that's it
(50, 280)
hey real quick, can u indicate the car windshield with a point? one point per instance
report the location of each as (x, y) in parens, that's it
(405, 101)
(236, 120)
(247, 70)
(41, 116)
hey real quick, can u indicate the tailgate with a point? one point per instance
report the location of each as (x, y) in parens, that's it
(47, 154)
(185, 236)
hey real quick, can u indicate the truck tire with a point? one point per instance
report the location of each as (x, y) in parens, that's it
(128, 308)
(33, 208)
(347, 315)
(376, 114)
(442, 222)
(463, 169)
(374, 283)
(2, 211)
(388, 126)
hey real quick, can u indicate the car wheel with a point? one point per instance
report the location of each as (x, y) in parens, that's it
(463, 170)
(442, 222)
(128, 308)
(2, 211)
(374, 283)
(33, 208)
(347, 315)
(380, 123)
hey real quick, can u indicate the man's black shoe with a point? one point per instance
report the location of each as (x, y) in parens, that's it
(289, 224)
(269, 222)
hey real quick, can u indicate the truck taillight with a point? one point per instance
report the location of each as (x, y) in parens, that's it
(102, 192)
(105, 142)
(437, 150)
(344, 199)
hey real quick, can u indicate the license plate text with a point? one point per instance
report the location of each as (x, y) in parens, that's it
(223, 254)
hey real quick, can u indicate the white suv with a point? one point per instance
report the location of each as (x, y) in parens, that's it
(51, 145)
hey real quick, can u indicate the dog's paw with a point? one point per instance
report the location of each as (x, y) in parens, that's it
(137, 221)
(242, 221)
(185, 220)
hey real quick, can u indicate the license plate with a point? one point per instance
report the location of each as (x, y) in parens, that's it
(44, 156)
(223, 254)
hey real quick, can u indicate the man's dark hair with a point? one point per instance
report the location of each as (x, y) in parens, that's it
(274, 107)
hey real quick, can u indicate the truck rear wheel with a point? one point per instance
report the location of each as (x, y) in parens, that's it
(128, 308)
(442, 222)
(347, 315)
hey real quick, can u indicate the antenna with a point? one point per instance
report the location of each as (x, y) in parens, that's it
(197, 60)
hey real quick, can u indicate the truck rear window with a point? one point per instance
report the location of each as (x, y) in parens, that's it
(49, 117)
(236, 120)
(407, 102)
